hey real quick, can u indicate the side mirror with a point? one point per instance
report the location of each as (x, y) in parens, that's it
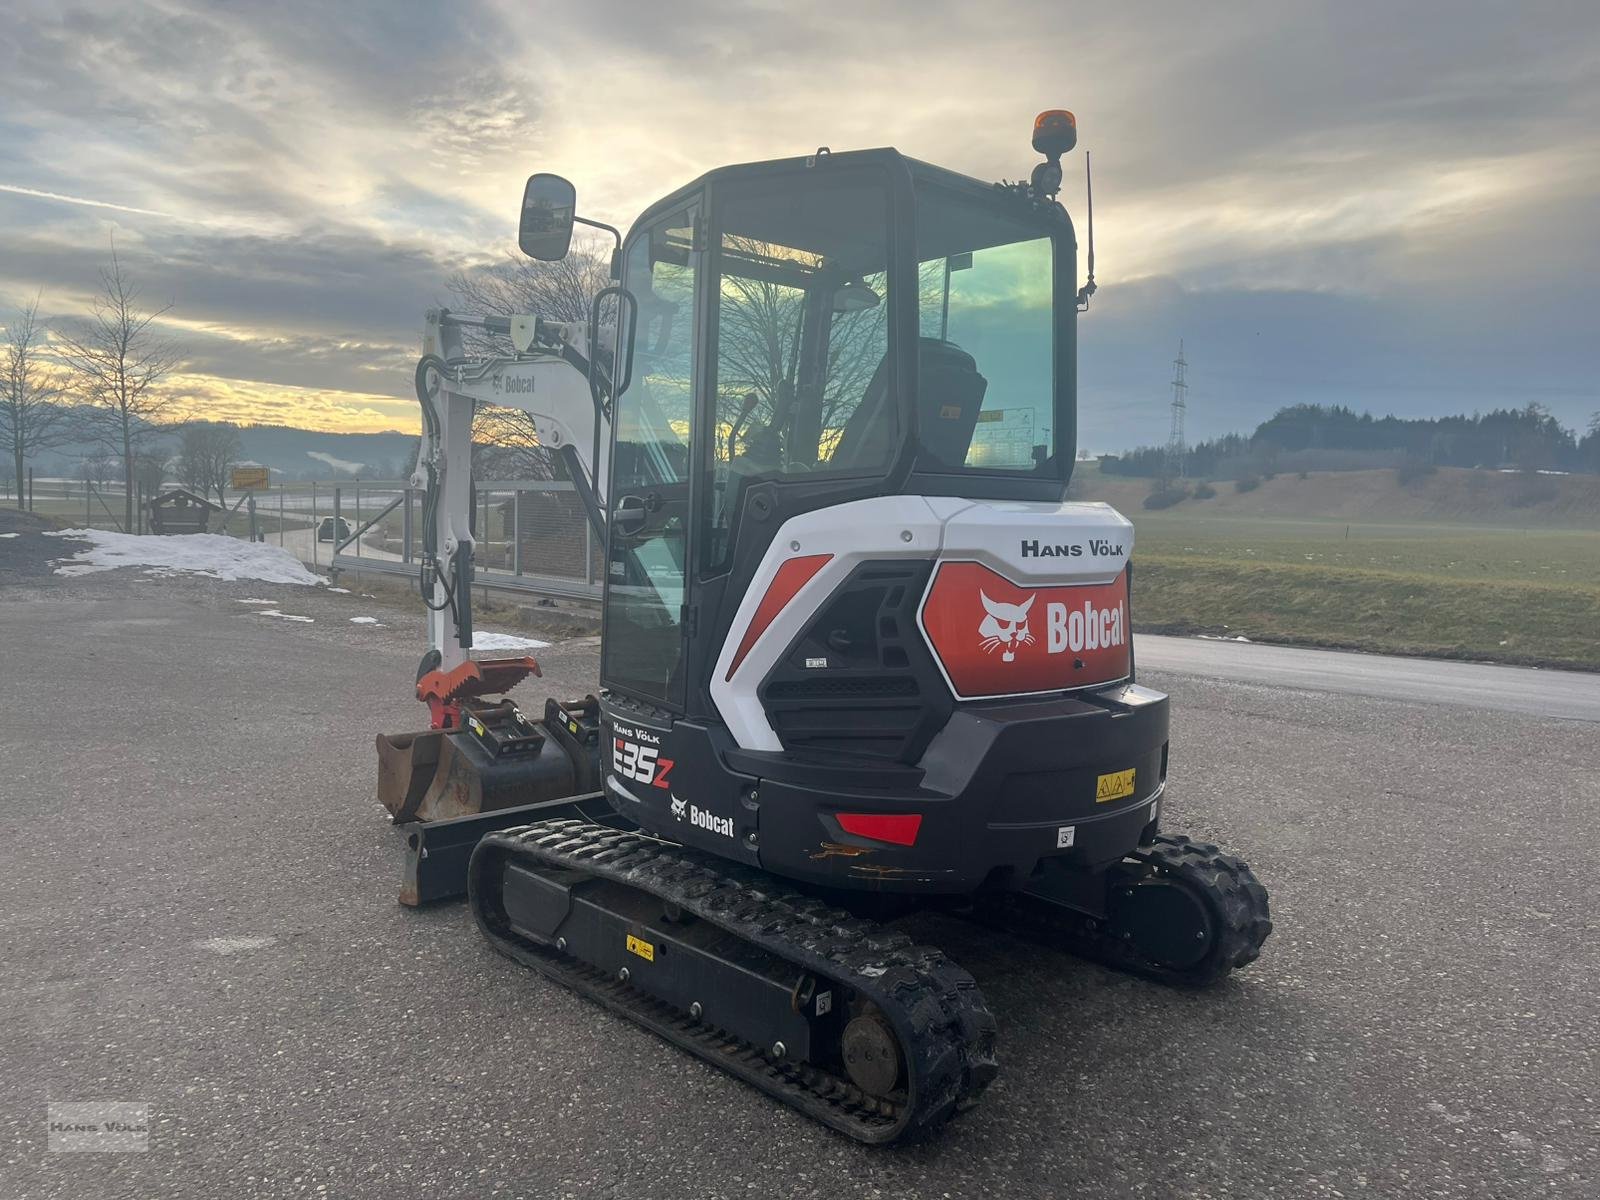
(549, 206)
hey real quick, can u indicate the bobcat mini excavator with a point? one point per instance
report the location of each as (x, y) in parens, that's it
(859, 656)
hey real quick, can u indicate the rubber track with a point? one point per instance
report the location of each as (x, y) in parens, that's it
(1236, 899)
(946, 1032)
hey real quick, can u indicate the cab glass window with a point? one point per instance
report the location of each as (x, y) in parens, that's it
(801, 382)
(986, 387)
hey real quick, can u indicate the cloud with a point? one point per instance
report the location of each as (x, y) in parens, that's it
(1385, 207)
(38, 195)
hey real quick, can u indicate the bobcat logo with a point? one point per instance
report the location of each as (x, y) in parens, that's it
(1005, 627)
(677, 808)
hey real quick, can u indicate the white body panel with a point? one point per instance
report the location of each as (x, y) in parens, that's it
(991, 532)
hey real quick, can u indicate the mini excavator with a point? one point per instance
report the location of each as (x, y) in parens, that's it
(860, 657)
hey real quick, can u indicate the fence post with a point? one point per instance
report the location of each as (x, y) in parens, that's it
(30, 489)
(281, 488)
(588, 553)
(338, 520)
(516, 531)
(250, 503)
(87, 511)
(356, 525)
(313, 522)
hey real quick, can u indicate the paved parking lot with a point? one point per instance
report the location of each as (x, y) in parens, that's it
(197, 889)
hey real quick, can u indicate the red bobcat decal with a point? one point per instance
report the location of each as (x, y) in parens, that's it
(1027, 640)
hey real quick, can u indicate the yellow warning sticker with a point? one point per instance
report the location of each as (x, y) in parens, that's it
(1114, 786)
(642, 948)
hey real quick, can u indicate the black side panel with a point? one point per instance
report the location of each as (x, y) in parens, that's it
(859, 680)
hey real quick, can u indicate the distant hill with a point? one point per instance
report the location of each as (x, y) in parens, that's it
(307, 454)
(290, 453)
(1454, 494)
(1313, 437)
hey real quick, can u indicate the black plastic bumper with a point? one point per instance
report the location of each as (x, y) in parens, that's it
(1003, 785)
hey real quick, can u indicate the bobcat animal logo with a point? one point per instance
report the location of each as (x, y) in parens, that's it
(1005, 627)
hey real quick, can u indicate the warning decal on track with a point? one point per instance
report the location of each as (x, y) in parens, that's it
(642, 948)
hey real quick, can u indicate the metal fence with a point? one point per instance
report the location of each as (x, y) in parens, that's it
(532, 534)
(86, 503)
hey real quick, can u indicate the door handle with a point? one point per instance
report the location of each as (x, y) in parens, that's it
(628, 517)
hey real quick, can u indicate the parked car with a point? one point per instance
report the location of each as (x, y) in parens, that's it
(325, 531)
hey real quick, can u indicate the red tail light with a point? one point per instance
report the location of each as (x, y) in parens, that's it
(898, 828)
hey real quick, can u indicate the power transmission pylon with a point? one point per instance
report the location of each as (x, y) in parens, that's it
(1177, 451)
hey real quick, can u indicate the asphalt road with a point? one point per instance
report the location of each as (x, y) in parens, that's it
(197, 907)
(1528, 691)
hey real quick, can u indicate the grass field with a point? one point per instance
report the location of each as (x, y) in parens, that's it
(1508, 595)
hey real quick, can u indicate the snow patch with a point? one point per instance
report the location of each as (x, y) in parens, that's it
(365, 621)
(213, 555)
(338, 464)
(272, 612)
(482, 640)
(253, 600)
(340, 591)
(6, 535)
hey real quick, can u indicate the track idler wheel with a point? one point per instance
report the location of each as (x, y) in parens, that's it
(871, 1052)
(1165, 921)
(1185, 912)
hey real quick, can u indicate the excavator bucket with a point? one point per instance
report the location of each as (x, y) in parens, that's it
(483, 756)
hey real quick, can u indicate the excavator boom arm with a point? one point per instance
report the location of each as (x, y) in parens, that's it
(551, 376)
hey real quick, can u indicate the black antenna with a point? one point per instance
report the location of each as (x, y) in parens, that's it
(1088, 288)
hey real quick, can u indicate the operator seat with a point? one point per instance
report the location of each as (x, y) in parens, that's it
(949, 397)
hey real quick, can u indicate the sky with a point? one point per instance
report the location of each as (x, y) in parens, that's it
(1391, 206)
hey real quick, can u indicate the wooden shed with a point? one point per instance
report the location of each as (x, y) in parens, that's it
(178, 510)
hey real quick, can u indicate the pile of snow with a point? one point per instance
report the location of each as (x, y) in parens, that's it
(504, 641)
(365, 621)
(6, 535)
(211, 554)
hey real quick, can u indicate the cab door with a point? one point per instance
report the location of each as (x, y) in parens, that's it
(653, 427)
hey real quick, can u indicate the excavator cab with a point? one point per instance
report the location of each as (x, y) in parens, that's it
(810, 332)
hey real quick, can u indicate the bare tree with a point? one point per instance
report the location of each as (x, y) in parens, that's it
(150, 470)
(758, 351)
(32, 417)
(558, 291)
(97, 469)
(120, 361)
(206, 458)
